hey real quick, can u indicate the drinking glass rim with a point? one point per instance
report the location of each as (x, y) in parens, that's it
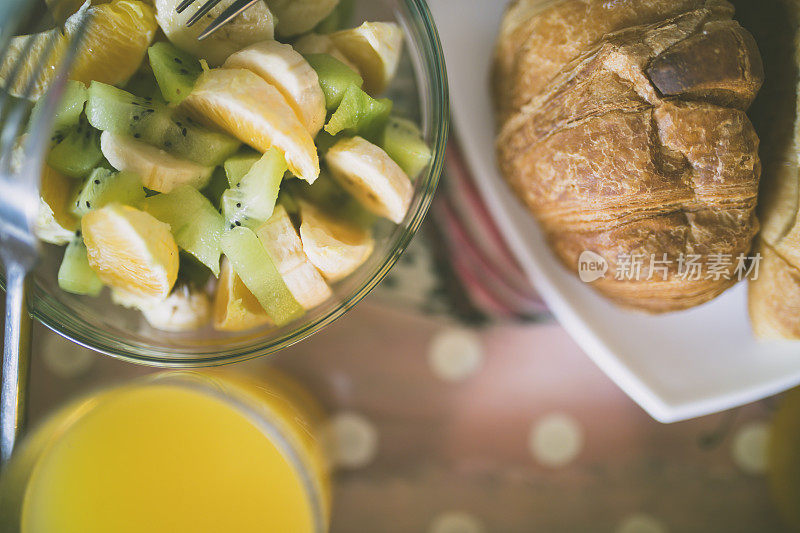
(259, 414)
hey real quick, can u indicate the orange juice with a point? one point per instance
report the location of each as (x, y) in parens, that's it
(172, 455)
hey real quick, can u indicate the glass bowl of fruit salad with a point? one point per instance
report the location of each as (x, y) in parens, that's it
(206, 202)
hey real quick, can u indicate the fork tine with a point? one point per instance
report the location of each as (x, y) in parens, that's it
(12, 125)
(226, 16)
(205, 8)
(43, 121)
(11, 13)
(15, 72)
(183, 5)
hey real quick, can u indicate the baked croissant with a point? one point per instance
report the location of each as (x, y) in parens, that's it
(623, 129)
(774, 298)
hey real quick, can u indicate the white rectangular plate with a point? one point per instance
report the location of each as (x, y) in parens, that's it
(676, 366)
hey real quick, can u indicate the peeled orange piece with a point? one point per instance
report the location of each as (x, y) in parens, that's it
(116, 42)
(112, 49)
(288, 71)
(131, 250)
(235, 307)
(246, 106)
(54, 222)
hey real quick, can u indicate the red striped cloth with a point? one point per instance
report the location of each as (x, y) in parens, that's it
(473, 247)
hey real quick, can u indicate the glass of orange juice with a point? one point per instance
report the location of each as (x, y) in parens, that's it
(178, 452)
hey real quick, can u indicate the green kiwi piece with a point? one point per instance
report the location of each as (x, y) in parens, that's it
(175, 71)
(237, 166)
(195, 224)
(253, 264)
(251, 201)
(68, 111)
(78, 153)
(334, 77)
(75, 275)
(402, 141)
(360, 114)
(104, 187)
(117, 111)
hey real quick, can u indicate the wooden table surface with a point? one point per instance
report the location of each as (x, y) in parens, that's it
(464, 447)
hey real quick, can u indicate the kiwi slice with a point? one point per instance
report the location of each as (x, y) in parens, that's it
(195, 224)
(334, 77)
(253, 264)
(403, 141)
(251, 201)
(78, 153)
(68, 111)
(239, 165)
(176, 71)
(104, 187)
(360, 114)
(75, 275)
(114, 110)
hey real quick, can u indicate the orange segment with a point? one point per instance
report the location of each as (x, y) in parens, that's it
(243, 104)
(131, 250)
(115, 42)
(55, 223)
(235, 307)
(113, 47)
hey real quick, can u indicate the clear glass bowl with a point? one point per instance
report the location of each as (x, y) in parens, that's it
(420, 93)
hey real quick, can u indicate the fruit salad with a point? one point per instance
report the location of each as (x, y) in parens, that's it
(231, 181)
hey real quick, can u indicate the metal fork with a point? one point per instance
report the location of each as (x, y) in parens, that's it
(20, 171)
(226, 16)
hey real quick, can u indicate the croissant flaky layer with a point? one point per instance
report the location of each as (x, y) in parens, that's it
(623, 129)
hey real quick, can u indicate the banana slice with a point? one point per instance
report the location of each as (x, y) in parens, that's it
(369, 174)
(160, 171)
(283, 243)
(375, 48)
(314, 43)
(335, 247)
(235, 307)
(283, 67)
(54, 222)
(253, 25)
(184, 310)
(299, 16)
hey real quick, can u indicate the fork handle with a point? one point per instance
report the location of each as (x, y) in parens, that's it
(16, 360)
